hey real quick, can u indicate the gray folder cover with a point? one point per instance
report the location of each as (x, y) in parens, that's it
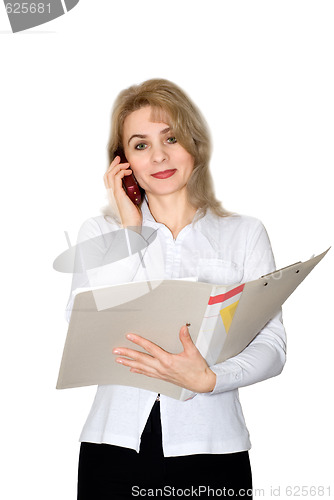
(158, 314)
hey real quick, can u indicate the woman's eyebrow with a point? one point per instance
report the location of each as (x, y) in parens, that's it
(165, 130)
(143, 136)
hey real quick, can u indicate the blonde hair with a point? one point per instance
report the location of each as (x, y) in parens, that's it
(170, 104)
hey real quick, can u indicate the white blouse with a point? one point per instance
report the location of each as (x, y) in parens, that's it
(220, 250)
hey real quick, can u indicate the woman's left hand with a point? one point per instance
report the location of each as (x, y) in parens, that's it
(187, 369)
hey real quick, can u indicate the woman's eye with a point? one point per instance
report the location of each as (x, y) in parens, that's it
(141, 145)
(171, 140)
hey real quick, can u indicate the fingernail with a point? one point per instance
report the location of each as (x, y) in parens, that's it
(129, 336)
(116, 351)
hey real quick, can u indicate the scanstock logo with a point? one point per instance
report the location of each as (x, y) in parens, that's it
(25, 15)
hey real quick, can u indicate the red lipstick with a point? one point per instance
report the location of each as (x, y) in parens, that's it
(164, 174)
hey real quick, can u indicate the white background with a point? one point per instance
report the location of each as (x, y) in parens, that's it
(262, 74)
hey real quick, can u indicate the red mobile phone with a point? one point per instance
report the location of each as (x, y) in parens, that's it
(129, 182)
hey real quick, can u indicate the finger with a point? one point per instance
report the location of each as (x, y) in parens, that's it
(115, 168)
(118, 183)
(186, 339)
(132, 354)
(118, 160)
(122, 173)
(117, 163)
(115, 175)
(149, 346)
(144, 368)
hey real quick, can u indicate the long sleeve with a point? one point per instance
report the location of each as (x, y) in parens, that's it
(106, 254)
(265, 356)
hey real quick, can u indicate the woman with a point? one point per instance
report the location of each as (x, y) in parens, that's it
(133, 438)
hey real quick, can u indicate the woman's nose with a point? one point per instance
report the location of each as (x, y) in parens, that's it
(158, 154)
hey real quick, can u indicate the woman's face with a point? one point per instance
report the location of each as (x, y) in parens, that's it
(160, 164)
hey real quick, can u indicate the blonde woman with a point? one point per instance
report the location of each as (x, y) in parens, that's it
(136, 442)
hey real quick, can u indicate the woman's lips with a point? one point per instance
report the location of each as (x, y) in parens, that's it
(164, 174)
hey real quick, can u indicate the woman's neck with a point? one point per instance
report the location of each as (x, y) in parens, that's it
(174, 211)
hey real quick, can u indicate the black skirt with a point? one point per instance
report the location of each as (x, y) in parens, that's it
(111, 472)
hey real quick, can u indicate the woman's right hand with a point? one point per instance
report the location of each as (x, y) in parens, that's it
(130, 214)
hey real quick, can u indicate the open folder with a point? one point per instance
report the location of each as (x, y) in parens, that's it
(224, 320)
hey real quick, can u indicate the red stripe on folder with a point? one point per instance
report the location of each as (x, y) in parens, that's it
(215, 299)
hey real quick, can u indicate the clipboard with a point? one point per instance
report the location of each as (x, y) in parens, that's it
(224, 320)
